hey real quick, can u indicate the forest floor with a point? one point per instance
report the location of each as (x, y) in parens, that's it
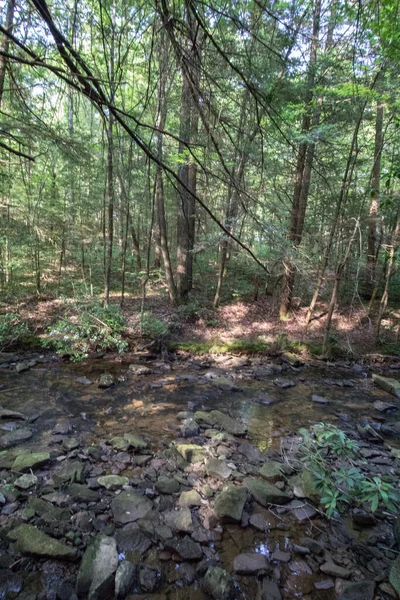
(241, 325)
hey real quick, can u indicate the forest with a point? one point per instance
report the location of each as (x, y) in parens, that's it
(210, 172)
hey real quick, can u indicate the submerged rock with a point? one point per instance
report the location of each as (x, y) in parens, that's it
(218, 584)
(11, 414)
(96, 572)
(250, 563)
(229, 504)
(112, 482)
(361, 590)
(106, 381)
(265, 493)
(11, 438)
(31, 541)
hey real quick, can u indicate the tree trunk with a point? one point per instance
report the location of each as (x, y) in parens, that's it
(370, 274)
(188, 128)
(305, 159)
(389, 272)
(5, 44)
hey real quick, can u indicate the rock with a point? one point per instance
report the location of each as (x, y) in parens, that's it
(265, 493)
(140, 370)
(81, 493)
(396, 530)
(364, 519)
(71, 444)
(384, 406)
(291, 359)
(186, 548)
(180, 520)
(24, 366)
(281, 556)
(271, 471)
(11, 414)
(394, 575)
(325, 584)
(302, 510)
(228, 424)
(112, 482)
(219, 381)
(191, 452)
(129, 507)
(83, 380)
(25, 481)
(229, 504)
(33, 460)
(362, 590)
(135, 441)
(284, 383)
(190, 498)
(11, 438)
(218, 469)
(106, 381)
(390, 385)
(218, 584)
(189, 428)
(125, 579)
(319, 399)
(250, 563)
(31, 541)
(313, 545)
(167, 485)
(96, 572)
(269, 590)
(329, 568)
(10, 583)
(149, 578)
(71, 472)
(119, 443)
(132, 540)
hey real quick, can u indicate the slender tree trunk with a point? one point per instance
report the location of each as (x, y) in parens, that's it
(370, 274)
(5, 44)
(158, 184)
(305, 159)
(389, 272)
(338, 277)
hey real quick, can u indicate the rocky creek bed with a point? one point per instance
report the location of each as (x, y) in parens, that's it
(182, 479)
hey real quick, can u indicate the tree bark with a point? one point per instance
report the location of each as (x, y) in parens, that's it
(5, 44)
(370, 275)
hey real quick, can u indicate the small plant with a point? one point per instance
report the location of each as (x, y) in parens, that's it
(12, 328)
(347, 485)
(95, 327)
(152, 327)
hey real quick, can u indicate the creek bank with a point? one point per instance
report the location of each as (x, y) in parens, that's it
(209, 515)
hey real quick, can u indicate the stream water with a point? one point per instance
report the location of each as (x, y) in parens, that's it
(148, 405)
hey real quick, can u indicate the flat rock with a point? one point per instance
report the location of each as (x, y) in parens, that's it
(361, 590)
(180, 520)
(284, 383)
(270, 590)
(96, 572)
(139, 370)
(394, 575)
(112, 482)
(129, 540)
(33, 460)
(384, 406)
(83, 380)
(25, 481)
(135, 441)
(218, 469)
(70, 472)
(186, 548)
(190, 498)
(11, 414)
(319, 399)
(81, 493)
(29, 540)
(250, 563)
(329, 568)
(12, 438)
(218, 584)
(302, 510)
(390, 385)
(229, 504)
(265, 493)
(129, 507)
